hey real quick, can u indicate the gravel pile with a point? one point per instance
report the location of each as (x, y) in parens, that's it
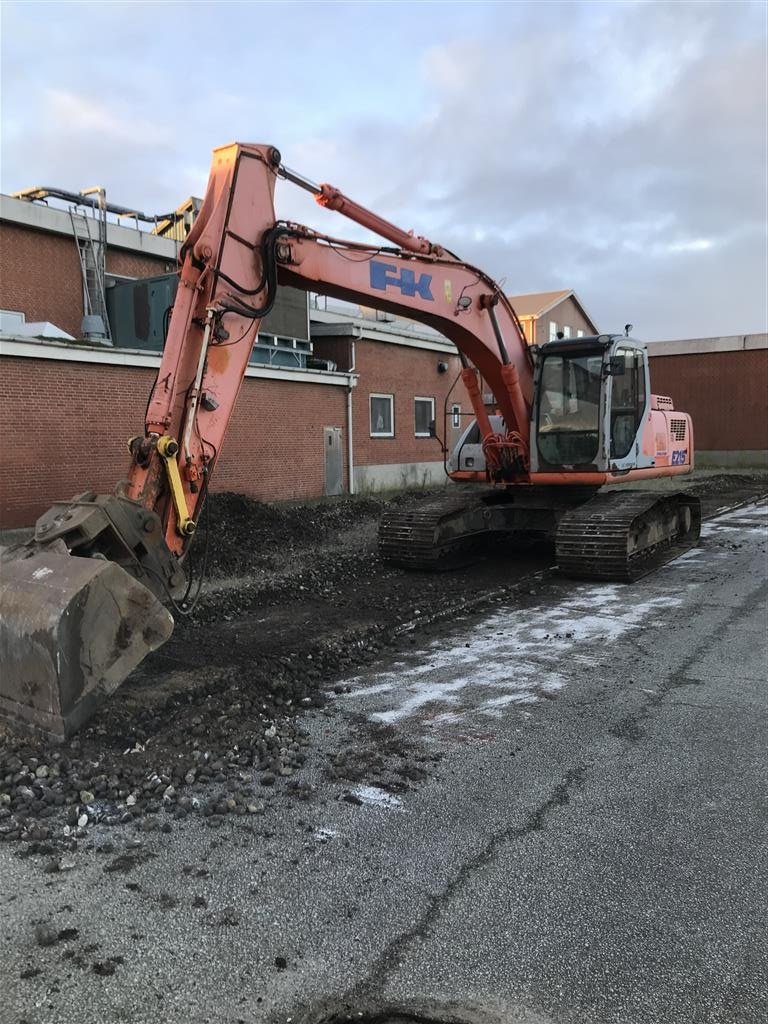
(248, 535)
(213, 751)
(229, 736)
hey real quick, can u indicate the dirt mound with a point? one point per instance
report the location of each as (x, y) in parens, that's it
(246, 534)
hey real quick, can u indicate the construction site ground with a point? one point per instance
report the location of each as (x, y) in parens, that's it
(346, 792)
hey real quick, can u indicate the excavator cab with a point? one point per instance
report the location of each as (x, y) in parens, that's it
(591, 400)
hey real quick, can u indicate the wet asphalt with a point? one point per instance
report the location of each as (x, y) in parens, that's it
(588, 845)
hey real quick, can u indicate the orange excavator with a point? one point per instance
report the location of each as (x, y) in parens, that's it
(88, 597)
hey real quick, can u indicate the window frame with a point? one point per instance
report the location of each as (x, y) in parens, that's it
(553, 330)
(566, 331)
(455, 416)
(391, 399)
(569, 377)
(423, 398)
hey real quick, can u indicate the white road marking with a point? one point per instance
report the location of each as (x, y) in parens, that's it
(377, 797)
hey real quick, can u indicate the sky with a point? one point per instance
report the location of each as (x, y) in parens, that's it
(618, 149)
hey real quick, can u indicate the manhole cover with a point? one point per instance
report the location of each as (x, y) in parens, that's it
(429, 1013)
(405, 1016)
(388, 1018)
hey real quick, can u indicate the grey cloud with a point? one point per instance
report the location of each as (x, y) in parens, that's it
(554, 145)
(608, 202)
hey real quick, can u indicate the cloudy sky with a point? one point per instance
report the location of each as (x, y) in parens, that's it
(615, 148)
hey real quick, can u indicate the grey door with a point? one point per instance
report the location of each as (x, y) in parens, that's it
(334, 473)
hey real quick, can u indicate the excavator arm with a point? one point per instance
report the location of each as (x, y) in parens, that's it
(232, 262)
(72, 628)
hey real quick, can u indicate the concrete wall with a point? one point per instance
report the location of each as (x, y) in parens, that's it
(406, 373)
(398, 475)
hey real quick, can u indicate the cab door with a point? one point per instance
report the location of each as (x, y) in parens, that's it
(627, 407)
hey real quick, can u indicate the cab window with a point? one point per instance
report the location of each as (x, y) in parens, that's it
(569, 408)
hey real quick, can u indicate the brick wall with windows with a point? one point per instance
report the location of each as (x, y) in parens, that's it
(405, 373)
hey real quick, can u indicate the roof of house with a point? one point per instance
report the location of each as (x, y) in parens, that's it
(536, 304)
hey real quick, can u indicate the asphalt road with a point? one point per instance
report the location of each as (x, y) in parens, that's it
(588, 844)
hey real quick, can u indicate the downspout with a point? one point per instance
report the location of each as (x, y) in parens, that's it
(350, 450)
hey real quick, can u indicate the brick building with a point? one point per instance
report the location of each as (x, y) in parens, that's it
(332, 402)
(544, 315)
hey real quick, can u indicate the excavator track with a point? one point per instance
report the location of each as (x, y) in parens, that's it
(621, 536)
(436, 535)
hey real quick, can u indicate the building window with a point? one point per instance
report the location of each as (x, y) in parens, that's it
(552, 330)
(455, 416)
(566, 332)
(382, 416)
(579, 334)
(424, 414)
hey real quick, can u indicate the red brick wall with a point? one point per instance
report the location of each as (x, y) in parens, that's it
(274, 449)
(40, 275)
(64, 425)
(64, 428)
(724, 392)
(136, 264)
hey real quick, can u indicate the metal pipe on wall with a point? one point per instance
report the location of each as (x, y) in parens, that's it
(350, 450)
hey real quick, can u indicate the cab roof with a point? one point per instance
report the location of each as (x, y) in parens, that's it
(592, 342)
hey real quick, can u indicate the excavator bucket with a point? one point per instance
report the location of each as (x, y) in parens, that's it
(71, 630)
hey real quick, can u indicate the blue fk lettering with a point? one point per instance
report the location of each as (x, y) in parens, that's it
(385, 274)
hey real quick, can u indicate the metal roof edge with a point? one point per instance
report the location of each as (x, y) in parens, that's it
(34, 348)
(37, 217)
(372, 330)
(701, 346)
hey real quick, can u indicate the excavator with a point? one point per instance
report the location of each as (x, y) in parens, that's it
(93, 592)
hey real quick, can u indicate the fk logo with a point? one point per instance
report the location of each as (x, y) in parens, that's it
(384, 275)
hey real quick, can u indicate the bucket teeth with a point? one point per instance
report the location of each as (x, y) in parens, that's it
(71, 630)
